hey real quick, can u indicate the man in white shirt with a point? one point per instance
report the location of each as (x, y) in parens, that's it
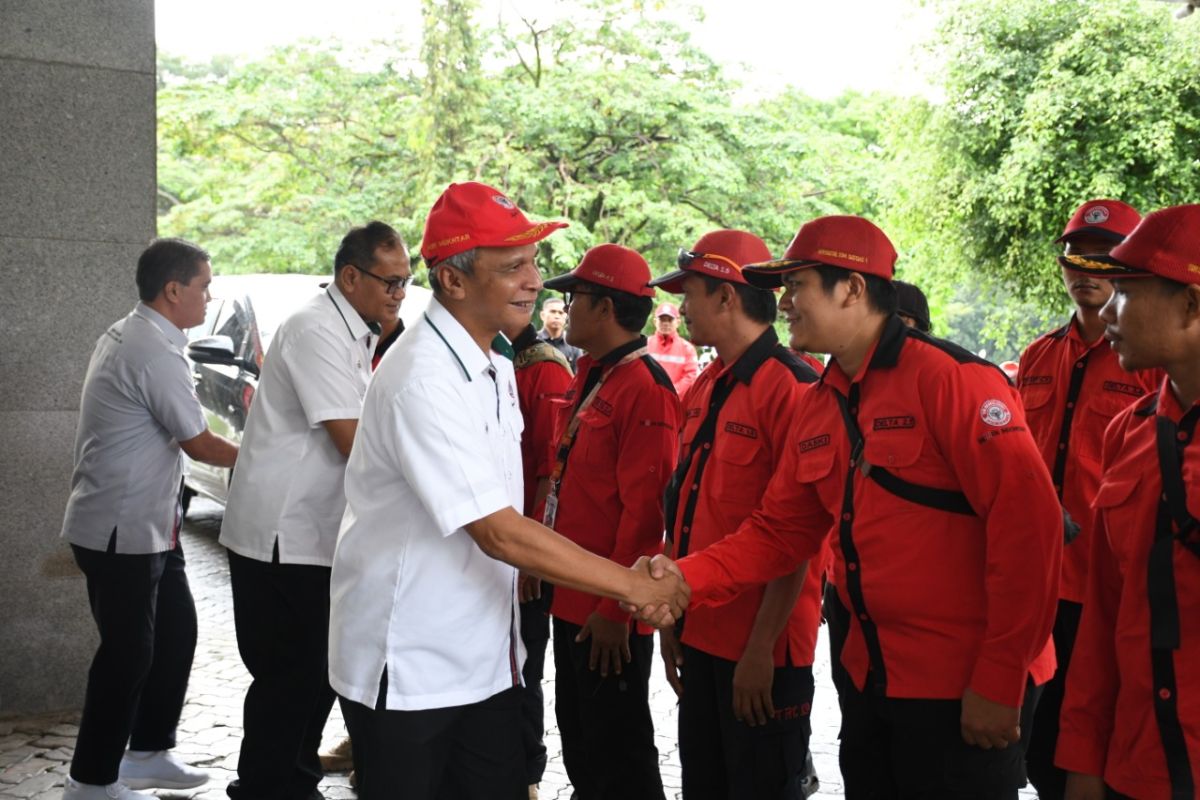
(285, 505)
(137, 412)
(424, 647)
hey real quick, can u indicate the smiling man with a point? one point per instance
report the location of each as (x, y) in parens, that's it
(425, 648)
(285, 505)
(1131, 716)
(1072, 387)
(913, 454)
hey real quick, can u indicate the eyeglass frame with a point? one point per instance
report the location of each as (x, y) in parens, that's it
(569, 297)
(390, 284)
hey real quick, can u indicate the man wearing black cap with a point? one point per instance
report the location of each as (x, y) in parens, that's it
(1130, 717)
(947, 532)
(911, 306)
(616, 438)
(1072, 387)
(743, 670)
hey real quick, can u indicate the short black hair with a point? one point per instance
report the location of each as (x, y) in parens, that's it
(911, 302)
(758, 304)
(881, 293)
(359, 245)
(630, 310)
(167, 260)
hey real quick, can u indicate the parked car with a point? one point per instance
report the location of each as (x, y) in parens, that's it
(227, 352)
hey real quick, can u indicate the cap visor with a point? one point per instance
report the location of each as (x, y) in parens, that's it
(562, 283)
(672, 282)
(769, 274)
(1100, 266)
(1103, 233)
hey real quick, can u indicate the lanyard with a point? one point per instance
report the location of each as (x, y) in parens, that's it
(568, 438)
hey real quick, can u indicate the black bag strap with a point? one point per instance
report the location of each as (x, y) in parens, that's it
(948, 500)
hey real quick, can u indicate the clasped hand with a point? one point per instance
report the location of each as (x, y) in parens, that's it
(659, 593)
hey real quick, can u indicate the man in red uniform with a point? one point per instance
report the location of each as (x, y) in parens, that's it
(676, 354)
(616, 436)
(1072, 387)
(543, 375)
(1131, 717)
(743, 670)
(947, 533)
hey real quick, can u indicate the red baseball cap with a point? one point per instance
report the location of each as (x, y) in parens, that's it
(667, 310)
(853, 243)
(1110, 219)
(611, 266)
(719, 254)
(1166, 243)
(470, 215)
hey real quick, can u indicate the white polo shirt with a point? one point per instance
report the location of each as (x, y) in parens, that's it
(438, 446)
(138, 404)
(287, 484)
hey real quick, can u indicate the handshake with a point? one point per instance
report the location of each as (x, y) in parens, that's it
(657, 593)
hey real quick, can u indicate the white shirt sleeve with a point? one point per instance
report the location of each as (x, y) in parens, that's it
(170, 396)
(444, 453)
(324, 376)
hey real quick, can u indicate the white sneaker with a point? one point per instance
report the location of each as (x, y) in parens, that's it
(159, 770)
(74, 790)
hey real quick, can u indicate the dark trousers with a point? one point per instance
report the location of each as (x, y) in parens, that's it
(724, 759)
(1049, 780)
(900, 749)
(281, 613)
(471, 752)
(138, 679)
(837, 617)
(535, 633)
(607, 733)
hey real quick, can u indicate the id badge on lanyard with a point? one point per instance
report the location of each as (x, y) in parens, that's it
(550, 513)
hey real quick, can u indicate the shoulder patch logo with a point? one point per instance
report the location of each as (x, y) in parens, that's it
(1096, 215)
(995, 413)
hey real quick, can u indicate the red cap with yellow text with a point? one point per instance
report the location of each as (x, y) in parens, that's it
(849, 242)
(1166, 244)
(719, 254)
(470, 215)
(610, 266)
(1108, 219)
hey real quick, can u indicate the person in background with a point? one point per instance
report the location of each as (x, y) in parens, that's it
(676, 354)
(911, 306)
(138, 415)
(554, 329)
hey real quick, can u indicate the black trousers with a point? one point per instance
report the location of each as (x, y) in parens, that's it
(136, 686)
(535, 633)
(724, 759)
(607, 733)
(900, 749)
(1049, 780)
(471, 752)
(281, 614)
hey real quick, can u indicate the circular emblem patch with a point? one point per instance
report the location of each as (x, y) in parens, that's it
(1096, 215)
(504, 202)
(995, 413)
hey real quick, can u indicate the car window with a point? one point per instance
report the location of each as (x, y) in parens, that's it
(234, 322)
(272, 308)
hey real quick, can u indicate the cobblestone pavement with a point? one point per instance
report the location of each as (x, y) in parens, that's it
(35, 751)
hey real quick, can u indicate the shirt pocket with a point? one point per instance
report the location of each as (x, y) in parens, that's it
(894, 449)
(1087, 439)
(743, 464)
(595, 442)
(1115, 499)
(817, 466)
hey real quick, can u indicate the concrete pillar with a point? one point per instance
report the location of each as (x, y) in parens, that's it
(77, 205)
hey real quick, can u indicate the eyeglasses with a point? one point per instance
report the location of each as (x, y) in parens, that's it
(392, 285)
(686, 257)
(570, 297)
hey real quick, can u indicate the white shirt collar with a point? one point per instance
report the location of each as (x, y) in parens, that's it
(169, 329)
(473, 360)
(358, 327)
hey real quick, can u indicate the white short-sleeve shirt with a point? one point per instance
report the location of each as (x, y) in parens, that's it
(287, 485)
(438, 446)
(138, 404)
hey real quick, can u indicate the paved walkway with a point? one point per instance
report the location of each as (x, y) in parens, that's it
(35, 751)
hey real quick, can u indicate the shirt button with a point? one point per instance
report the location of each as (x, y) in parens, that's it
(864, 617)
(695, 487)
(852, 566)
(1062, 445)
(1164, 693)
(1078, 365)
(707, 446)
(1182, 436)
(847, 516)
(686, 529)
(1071, 405)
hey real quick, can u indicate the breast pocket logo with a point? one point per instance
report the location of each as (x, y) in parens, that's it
(995, 413)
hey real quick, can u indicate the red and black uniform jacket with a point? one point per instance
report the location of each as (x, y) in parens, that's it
(947, 533)
(736, 418)
(1071, 391)
(543, 376)
(1132, 706)
(610, 497)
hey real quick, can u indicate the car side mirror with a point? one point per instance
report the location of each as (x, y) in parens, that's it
(219, 350)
